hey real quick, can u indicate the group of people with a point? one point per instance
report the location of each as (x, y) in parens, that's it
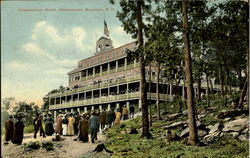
(69, 124)
(14, 131)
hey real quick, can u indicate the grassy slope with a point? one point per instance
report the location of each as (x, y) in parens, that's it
(131, 145)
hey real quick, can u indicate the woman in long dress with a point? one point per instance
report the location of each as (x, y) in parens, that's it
(71, 120)
(118, 115)
(84, 129)
(64, 125)
(49, 129)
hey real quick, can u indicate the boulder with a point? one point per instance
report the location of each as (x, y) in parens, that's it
(227, 119)
(214, 128)
(185, 112)
(176, 124)
(236, 125)
(243, 137)
(202, 133)
(245, 131)
(212, 136)
(234, 134)
(184, 133)
(174, 116)
(231, 113)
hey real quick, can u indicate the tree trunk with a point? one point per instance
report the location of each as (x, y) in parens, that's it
(143, 96)
(243, 94)
(207, 90)
(157, 92)
(199, 89)
(221, 80)
(193, 136)
(150, 112)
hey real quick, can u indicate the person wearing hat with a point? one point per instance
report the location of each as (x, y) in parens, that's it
(49, 129)
(18, 132)
(64, 124)
(71, 121)
(83, 129)
(94, 124)
(9, 128)
(59, 124)
(76, 124)
(38, 125)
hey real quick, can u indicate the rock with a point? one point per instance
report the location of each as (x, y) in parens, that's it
(212, 136)
(214, 128)
(176, 124)
(234, 134)
(101, 147)
(185, 112)
(227, 119)
(212, 108)
(172, 136)
(185, 133)
(202, 133)
(235, 126)
(201, 116)
(174, 116)
(128, 130)
(231, 113)
(242, 137)
(245, 130)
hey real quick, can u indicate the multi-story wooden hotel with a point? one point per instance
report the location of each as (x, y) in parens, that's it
(108, 80)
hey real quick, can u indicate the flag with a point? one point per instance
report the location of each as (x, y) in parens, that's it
(106, 31)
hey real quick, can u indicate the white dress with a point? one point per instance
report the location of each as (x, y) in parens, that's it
(64, 127)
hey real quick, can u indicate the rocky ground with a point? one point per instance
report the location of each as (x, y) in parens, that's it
(68, 148)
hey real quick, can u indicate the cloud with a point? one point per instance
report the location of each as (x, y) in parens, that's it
(75, 36)
(34, 49)
(120, 37)
(15, 65)
(42, 28)
(78, 37)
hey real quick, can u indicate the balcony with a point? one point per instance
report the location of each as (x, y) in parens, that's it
(111, 71)
(120, 69)
(83, 78)
(97, 75)
(130, 66)
(89, 77)
(105, 99)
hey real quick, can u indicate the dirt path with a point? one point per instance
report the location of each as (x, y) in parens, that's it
(69, 148)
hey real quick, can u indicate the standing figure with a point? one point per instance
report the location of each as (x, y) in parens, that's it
(109, 118)
(125, 112)
(131, 111)
(18, 132)
(94, 126)
(9, 129)
(103, 119)
(65, 124)
(117, 117)
(71, 122)
(49, 129)
(83, 128)
(59, 124)
(76, 124)
(38, 125)
(113, 116)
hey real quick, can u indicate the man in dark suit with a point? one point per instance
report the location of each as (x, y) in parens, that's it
(38, 125)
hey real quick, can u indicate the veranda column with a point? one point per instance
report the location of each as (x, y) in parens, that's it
(171, 92)
(72, 110)
(92, 108)
(109, 107)
(100, 108)
(125, 64)
(85, 109)
(54, 115)
(78, 109)
(108, 67)
(116, 65)
(117, 105)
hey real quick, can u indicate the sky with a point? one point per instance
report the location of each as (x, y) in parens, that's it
(40, 46)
